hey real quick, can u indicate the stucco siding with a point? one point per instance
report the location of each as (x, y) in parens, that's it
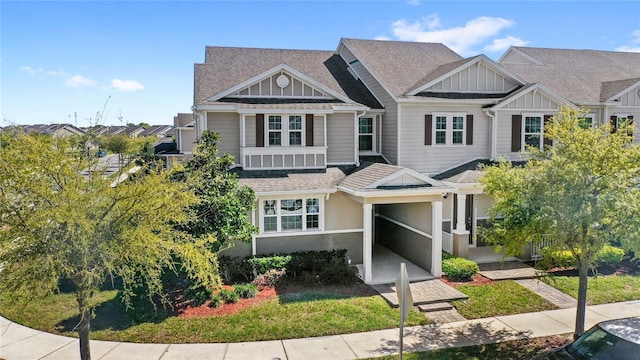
(341, 138)
(228, 126)
(313, 242)
(342, 213)
(416, 215)
(408, 244)
(433, 159)
(240, 249)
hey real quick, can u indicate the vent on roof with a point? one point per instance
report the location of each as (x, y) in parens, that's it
(352, 72)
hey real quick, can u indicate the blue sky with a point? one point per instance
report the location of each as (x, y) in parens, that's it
(61, 61)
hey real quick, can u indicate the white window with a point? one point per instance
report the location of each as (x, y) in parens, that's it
(285, 133)
(449, 129)
(533, 130)
(294, 214)
(365, 134)
(586, 122)
(622, 121)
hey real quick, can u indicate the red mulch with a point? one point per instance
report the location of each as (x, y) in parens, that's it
(476, 279)
(186, 311)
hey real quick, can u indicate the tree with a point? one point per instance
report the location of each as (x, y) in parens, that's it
(60, 225)
(224, 205)
(123, 145)
(583, 192)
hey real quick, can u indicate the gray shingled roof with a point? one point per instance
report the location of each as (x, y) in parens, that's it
(273, 181)
(399, 65)
(577, 75)
(182, 119)
(226, 67)
(613, 88)
(368, 175)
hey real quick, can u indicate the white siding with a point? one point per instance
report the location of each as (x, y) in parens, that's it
(390, 117)
(483, 204)
(187, 140)
(437, 158)
(250, 130)
(228, 126)
(318, 130)
(341, 138)
(475, 78)
(631, 97)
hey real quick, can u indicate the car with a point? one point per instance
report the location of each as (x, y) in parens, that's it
(612, 340)
(101, 153)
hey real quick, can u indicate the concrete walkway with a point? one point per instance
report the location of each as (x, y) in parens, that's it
(18, 342)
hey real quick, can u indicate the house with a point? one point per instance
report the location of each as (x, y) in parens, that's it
(55, 130)
(374, 147)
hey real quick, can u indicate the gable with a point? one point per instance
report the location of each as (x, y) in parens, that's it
(630, 97)
(281, 84)
(476, 78)
(404, 178)
(514, 56)
(623, 92)
(533, 97)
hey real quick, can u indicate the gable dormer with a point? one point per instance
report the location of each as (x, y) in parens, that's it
(474, 75)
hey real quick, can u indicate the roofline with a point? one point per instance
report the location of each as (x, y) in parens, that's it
(364, 64)
(291, 192)
(281, 67)
(519, 52)
(478, 59)
(431, 100)
(402, 172)
(623, 91)
(524, 90)
(373, 193)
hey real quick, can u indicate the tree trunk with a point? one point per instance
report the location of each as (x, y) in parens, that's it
(583, 272)
(83, 330)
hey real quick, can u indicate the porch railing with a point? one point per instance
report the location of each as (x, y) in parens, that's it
(447, 242)
(536, 247)
(285, 157)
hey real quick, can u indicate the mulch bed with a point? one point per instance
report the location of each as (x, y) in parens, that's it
(626, 267)
(476, 279)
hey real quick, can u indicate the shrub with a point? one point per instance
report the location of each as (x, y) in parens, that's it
(197, 294)
(268, 279)
(459, 269)
(228, 296)
(216, 301)
(609, 255)
(234, 267)
(263, 264)
(245, 291)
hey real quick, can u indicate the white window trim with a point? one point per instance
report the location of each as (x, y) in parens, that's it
(373, 136)
(284, 131)
(279, 230)
(591, 116)
(523, 133)
(449, 129)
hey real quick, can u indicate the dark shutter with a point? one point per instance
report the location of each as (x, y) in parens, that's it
(428, 125)
(631, 126)
(260, 130)
(469, 129)
(516, 133)
(547, 141)
(614, 124)
(309, 130)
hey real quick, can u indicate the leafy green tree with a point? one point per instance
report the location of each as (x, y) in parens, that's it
(583, 192)
(225, 205)
(125, 146)
(60, 225)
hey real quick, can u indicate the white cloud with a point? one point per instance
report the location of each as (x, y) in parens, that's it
(30, 70)
(382, 37)
(413, 2)
(126, 85)
(57, 73)
(503, 44)
(79, 81)
(462, 39)
(634, 44)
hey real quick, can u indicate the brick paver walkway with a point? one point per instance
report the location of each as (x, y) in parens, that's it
(423, 292)
(445, 316)
(551, 294)
(508, 270)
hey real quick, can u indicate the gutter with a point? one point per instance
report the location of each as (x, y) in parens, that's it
(494, 133)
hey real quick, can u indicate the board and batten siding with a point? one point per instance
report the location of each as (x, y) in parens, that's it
(341, 138)
(390, 118)
(228, 126)
(478, 78)
(434, 159)
(631, 98)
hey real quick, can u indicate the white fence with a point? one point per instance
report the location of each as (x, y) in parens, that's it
(536, 247)
(447, 242)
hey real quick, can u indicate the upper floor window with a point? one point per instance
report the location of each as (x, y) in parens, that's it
(285, 130)
(275, 130)
(297, 214)
(365, 134)
(533, 131)
(295, 130)
(449, 129)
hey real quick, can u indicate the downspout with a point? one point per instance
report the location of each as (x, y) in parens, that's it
(355, 142)
(494, 133)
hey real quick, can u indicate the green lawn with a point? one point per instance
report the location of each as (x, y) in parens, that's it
(601, 289)
(284, 317)
(499, 298)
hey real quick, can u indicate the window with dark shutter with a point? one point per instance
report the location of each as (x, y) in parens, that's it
(631, 126)
(309, 130)
(547, 141)
(614, 124)
(428, 128)
(260, 130)
(469, 129)
(516, 133)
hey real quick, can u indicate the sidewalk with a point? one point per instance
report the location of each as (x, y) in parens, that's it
(19, 342)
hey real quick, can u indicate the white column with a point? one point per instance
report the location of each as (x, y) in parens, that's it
(436, 238)
(460, 225)
(367, 245)
(243, 138)
(325, 133)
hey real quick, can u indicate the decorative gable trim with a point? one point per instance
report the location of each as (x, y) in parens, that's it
(512, 50)
(631, 92)
(509, 82)
(553, 98)
(404, 177)
(280, 69)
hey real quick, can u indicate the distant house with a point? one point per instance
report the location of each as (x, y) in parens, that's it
(377, 143)
(159, 131)
(55, 130)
